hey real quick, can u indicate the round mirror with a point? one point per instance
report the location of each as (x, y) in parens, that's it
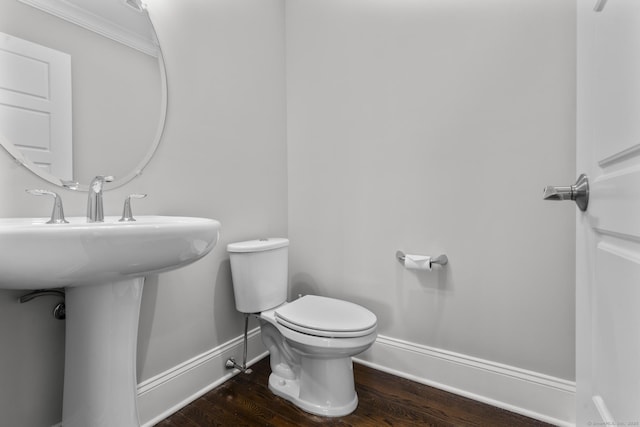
(82, 88)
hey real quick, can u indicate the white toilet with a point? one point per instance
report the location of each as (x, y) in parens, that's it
(310, 340)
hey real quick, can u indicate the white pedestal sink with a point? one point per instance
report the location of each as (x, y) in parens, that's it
(102, 268)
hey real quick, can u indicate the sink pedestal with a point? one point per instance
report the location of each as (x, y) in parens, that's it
(100, 384)
(102, 266)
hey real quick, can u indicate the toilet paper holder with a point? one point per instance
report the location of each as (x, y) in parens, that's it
(440, 260)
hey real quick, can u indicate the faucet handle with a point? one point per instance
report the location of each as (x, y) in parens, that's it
(127, 215)
(57, 215)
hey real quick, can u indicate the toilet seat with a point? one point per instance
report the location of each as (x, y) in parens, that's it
(326, 317)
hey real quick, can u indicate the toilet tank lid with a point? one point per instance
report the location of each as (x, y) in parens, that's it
(258, 245)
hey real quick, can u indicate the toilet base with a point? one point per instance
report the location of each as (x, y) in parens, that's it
(290, 390)
(314, 373)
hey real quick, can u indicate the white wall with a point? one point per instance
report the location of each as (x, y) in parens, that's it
(431, 127)
(223, 156)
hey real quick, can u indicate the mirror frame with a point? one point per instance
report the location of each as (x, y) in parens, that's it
(21, 160)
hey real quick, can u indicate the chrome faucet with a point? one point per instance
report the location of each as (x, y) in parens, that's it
(95, 212)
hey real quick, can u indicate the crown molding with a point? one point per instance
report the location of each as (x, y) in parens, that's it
(92, 22)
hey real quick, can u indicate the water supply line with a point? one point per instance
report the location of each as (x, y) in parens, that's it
(231, 362)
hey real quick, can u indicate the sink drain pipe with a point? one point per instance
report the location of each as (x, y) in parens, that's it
(58, 311)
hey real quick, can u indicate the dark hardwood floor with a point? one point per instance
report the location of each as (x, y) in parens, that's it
(384, 400)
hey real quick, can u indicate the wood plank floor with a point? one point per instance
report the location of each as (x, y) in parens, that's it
(384, 400)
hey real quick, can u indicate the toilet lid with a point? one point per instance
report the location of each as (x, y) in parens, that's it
(326, 317)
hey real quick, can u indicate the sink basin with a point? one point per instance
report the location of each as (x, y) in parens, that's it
(102, 268)
(36, 255)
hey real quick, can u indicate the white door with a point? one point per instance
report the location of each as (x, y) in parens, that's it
(35, 103)
(608, 233)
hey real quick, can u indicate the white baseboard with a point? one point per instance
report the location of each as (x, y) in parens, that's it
(532, 394)
(168, 392)
(525, 392)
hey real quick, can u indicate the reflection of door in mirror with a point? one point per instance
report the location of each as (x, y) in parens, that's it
(35, 103)
(118, 84)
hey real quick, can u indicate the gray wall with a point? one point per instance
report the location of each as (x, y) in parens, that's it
(431, 127)
(223, 156)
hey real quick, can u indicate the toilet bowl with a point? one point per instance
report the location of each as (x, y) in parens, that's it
(310, 340)
(312, 367)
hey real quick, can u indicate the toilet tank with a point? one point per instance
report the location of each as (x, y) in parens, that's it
(259, 270)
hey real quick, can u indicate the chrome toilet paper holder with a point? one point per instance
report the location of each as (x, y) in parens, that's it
(440, 260)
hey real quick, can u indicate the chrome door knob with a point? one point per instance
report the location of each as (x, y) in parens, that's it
(579, 192)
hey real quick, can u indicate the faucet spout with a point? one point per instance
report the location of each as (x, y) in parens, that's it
(95, 212)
